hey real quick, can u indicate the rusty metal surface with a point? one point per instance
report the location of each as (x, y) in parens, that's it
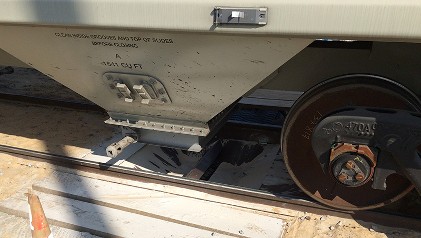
(343, 148)
(304, 167)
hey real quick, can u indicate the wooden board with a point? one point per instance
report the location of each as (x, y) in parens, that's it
(108, 208)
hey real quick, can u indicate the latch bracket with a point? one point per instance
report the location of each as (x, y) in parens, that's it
(134, 88)
(232, 15)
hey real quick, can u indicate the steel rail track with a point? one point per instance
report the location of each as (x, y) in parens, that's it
(229, 191)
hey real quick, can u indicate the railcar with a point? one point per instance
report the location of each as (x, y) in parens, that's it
(169, 71)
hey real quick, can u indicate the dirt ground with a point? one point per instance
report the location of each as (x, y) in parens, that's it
(53, 130)
(312, 225)
(17, 174)
(30, 82)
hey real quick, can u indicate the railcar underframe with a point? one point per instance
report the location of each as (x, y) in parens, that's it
(169, 72)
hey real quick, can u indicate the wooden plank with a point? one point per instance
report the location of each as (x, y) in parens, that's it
(15, 226)
(180, 209)
(186, 191)
(104, 221)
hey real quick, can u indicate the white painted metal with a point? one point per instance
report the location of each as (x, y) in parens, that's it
(202, 73)
(378, 19)
(397, 61)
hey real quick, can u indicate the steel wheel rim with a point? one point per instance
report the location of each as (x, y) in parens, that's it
(309, 103)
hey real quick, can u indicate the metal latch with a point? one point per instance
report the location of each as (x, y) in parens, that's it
(231, 15)
(145, 92)
(125, 91)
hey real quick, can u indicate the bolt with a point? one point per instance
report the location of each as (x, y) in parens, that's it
(360, 177)
(342, 177)
(350, 164)
(391, 141)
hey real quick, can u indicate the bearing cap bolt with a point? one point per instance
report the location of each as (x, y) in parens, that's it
(342, 177)
(350, 164)
(359, 177)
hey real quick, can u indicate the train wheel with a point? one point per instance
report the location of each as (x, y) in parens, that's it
(306, 113)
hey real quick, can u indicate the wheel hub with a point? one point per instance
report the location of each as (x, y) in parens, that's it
(352, 165)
